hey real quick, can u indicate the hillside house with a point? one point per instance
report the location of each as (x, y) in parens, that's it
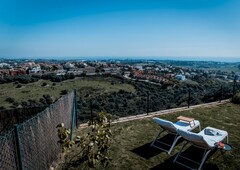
(180, 77)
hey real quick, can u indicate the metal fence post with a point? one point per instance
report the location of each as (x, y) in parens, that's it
(147, 103)
(234, 85)
(18, 147)
(189, 95)
(91, 110)
(17, 115)
(75, 101)
(73, 115)
(221, 93)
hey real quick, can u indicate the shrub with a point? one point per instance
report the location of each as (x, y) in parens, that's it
(121, 91)
(19, 86)
(43, 101)
(69, 76)
(8, 78)
(236, 98)
(53, 77)
(94, 146)
(15, 104)
(9, 99)
(44, 84)
(33, 103)
(63, 92)
(48, 98)
(24, 104)
(95, 105)
(2, 108)
(72, 76)
(25, 79)
(83, 74)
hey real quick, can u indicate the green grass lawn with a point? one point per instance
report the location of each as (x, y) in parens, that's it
(35, 90)
(130, 144)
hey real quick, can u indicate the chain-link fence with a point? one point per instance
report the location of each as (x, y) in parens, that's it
(8, 152)
(17, 115)
(33, 143)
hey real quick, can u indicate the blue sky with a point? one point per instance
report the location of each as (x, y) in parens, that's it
(120, 28)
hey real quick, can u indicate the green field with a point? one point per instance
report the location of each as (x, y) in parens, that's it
(35, 91)
(130, 144)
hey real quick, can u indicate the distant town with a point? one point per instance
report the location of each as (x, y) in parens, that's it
(158, 72)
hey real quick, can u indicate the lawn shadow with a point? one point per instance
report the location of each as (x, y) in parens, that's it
(191, 152)
(147, 151)
(74, 164)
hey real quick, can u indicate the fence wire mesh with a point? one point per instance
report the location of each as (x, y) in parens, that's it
(37, 137)
(10, 117)
(8, 153)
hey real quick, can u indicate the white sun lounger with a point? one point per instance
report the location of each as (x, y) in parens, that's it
(172, 128)
(206, 139)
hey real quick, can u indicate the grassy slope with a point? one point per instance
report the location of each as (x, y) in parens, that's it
(132, 135)
(35, 90)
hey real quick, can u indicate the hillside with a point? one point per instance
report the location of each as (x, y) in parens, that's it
(35, 91)
(115, 95)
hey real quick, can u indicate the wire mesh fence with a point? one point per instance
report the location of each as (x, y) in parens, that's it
(8, 155)
(17, 115)
(33, 143)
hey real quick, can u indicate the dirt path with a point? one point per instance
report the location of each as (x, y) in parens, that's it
(161, 112)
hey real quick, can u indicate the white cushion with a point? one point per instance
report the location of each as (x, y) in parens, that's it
(168, 125)
(203, 140)
(195, 138)
(217, 136)
(178, 125)
(165, 124)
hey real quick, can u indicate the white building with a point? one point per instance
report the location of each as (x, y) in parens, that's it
(180, 77)
(68, 65)
(5, 65)
(35, 69)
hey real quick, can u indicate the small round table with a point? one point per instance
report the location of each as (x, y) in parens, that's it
(227, 147)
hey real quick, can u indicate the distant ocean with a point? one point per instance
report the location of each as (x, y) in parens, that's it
(181, 58)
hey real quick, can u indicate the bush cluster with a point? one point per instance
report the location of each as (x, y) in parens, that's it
(236, 98)
(25, 79)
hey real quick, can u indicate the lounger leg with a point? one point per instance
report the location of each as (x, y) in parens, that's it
(199, 127)
(184, 144)
(204, 158)
(157, 137)
(174, 143)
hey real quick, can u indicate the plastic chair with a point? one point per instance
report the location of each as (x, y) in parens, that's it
(207, 140)
(170, 127)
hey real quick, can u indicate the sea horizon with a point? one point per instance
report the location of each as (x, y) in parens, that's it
(174, 58)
